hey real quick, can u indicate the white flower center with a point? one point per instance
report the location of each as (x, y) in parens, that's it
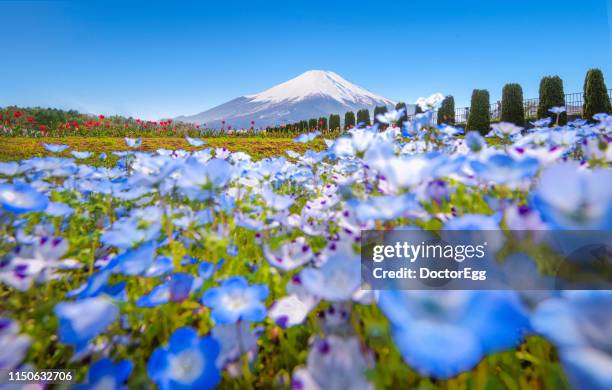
(187, 366)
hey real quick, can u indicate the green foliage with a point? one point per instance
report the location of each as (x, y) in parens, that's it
(313, 123)
(551, 95)
(404, 117)
(446, 113)
(323, 123)
(363, 116)
(512, 109)
(379, 110)
(349, 119)
(596, 99)
(480, 117)
(334, 122)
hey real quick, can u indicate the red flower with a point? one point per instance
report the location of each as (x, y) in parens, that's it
(17, 114)
(30, 119)
(101, 116)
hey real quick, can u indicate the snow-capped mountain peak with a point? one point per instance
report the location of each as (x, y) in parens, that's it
(317, 83)
(312, 94)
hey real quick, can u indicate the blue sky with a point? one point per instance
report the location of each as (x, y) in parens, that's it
(154, 60)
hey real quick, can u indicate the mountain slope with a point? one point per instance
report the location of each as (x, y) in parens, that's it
(312, 94)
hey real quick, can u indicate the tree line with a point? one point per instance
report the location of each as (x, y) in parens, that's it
(595, 100)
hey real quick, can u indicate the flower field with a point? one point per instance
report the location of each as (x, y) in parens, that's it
(234, 262)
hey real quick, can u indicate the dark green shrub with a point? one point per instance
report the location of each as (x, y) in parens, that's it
(512, 109)
(479, 117)
(596, 99)
(322, 123)
(349, 119)
(313, 123)
(551, 95)
(334, 122)
(446, 113)
(404, 117)
(379, 110)
(363, 116)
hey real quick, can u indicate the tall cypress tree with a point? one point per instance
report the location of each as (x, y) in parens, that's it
(512, 109)
(446, 113)
(404, 117)
(379, 110)
(363, 117)
(334, 122)
(313, 123)
(322, 123)
(349, 119)
(551, 95)
(596, 99)
(480, 117)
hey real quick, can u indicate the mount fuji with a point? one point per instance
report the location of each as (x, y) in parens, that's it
(312, 94)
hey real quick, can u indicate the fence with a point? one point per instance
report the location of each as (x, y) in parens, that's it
(573, 105)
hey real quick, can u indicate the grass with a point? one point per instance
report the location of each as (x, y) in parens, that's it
(14, 149)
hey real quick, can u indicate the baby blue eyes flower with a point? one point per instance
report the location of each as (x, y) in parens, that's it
(557, 110)
(236, 301)
(442, 334)
(569, 198)
(21, 198)
(13, 345)
(133, 142)
(54, 148)
(195, 141)
(334, 363)
(81, 155)
(104, 374)
(188, 362)
(178, 288)
(81, 321)
(134, 261)
(578, 323)
(306, 137)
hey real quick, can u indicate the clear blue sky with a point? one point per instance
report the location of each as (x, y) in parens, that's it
(155, 60)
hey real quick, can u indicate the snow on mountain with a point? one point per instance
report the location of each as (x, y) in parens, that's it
(312, 94)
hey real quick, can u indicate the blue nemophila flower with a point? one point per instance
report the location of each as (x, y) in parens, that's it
(9, 168)
(161, 265)
(195, 141)
(81, 155)
(505, 170)
(569, 197)
(441, 334)
(289, 255)
(337, 279)
(104, 374)
(276, 201)
(391, 117)
(188, 362)
(55, 148)
(430, 102)
(21, 198)
(334, 363)
(177, 288)
(557, 110)
(384, 207)
(306, 137)
(13, 346)
(134, 261)
(578, 323)
(235, 340)
(81, 321)
(235, 300)
(474, 141)
(133, 142)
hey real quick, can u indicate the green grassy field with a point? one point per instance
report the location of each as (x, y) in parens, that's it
(13, 149)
